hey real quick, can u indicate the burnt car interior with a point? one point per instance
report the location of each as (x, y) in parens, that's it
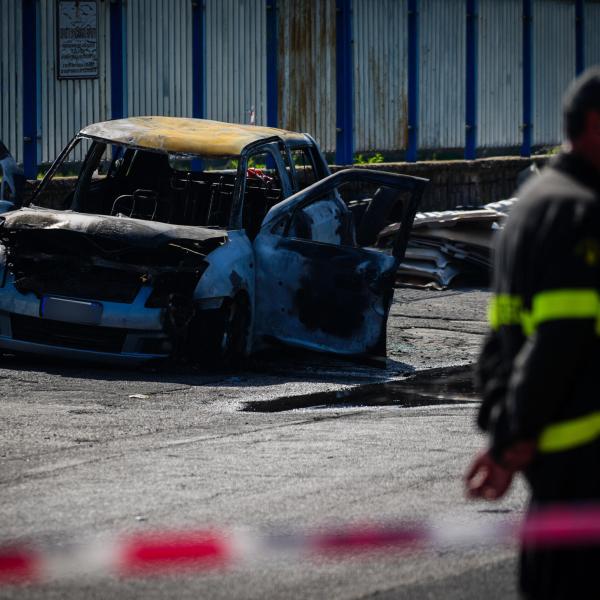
(143, 185)
(180, 190)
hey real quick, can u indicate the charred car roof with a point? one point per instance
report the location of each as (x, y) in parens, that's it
(186, 136)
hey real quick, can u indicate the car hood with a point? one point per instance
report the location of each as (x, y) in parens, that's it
(121, 231)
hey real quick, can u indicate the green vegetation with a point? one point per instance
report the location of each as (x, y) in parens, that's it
(376, 158)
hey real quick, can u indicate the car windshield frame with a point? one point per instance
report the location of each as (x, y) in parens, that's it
(93, 159)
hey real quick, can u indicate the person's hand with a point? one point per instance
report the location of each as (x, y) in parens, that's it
(486, 479)
(519, 455)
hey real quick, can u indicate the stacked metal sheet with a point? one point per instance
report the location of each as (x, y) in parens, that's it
(450, 246)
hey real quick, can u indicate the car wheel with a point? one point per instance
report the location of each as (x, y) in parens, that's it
(234, 335)
(218, 337)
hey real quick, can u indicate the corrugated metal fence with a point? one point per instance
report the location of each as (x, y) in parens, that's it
(380, 74)
(500, 81)
(236, 77)
(11, 78)
(159, 57)
(162, 76)
(307, 68)
(592, 33)
(67, 105)
(441, 69)
(554, 60)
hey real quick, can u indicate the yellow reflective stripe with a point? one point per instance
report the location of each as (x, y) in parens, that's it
(507, 309)
(570, 434)
(565, 304)
(504, 309)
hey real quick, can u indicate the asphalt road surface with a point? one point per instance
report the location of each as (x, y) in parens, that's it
(291, 441)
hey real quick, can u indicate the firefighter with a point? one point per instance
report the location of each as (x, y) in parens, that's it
(539, 370)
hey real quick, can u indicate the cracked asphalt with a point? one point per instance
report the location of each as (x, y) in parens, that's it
(85, 451)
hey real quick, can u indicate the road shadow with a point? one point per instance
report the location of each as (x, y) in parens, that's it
(280, 365)
(437, 386)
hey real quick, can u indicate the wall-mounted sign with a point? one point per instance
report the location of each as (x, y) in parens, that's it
(77, 39)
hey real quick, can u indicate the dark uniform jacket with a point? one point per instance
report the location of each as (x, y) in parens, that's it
(539, 370)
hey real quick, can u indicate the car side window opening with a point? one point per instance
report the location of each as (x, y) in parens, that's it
(326, 220)
(263, 189)
(67, 164)
(354, 213)
(306, 173)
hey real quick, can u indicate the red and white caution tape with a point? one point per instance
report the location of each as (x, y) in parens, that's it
(157, 553)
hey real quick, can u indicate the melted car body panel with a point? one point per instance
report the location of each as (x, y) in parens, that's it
(129, 231)
(323, 296)
(193, 136)
(230, 270)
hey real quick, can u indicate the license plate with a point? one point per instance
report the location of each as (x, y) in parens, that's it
(70, 310)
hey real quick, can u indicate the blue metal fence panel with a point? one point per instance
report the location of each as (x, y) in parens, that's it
(412, 51)
(307, 69)
(579, 36)
(380, 74)
(272, 66)
(117, 60)
(11, 78)
(500, 85)
(442, 74)
(198, 60)
(67, 105)
(159, 57)
(592, 33)
(471, 79)
(344, 92)
(236, 60)
(553, 66)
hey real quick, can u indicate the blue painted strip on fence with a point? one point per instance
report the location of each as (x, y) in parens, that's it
(471, 80)
(527, 77)
(413, 81)
(198, 60)
(117, 96)
(30, 91)
(579, 36)
(344, 150)
(272, 64)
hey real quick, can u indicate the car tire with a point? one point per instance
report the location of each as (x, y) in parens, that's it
(220, 336)
(235, 321)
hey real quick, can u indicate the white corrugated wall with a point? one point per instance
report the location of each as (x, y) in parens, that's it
(442, 57)
(159, 57)
(380, 74)
(307, 68)
(68, 105)
(592, 33)
(236, 60)
(553, 66)
(500, 78)
(11, 79)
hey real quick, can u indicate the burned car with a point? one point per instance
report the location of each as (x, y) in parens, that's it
(199, 239)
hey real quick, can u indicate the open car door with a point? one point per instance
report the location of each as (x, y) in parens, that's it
(315, 286)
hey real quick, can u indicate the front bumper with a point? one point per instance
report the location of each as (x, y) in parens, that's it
(123, 333)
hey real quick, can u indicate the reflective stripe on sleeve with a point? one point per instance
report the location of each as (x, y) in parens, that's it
(504, 309)
(552, 305)
(555, 305)
(570, 434)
